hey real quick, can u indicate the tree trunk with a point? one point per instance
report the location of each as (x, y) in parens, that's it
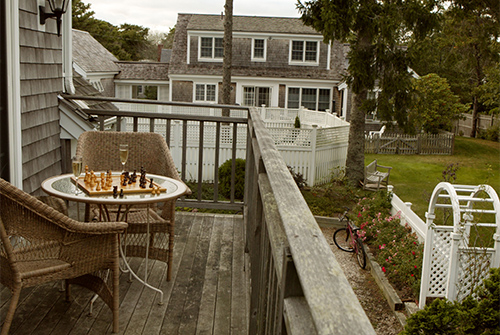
(228, 56)
(355, 163)
(475, 117)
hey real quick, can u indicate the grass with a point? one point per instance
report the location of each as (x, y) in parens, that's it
(415, 176)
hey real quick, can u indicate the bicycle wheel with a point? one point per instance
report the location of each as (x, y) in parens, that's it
(342, 239)
(360, 254)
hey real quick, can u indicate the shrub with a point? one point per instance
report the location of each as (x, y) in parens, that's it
(395, 247)
(297, 122)
(225, 178)
(471, 316)
(298, 178)
(490, 134)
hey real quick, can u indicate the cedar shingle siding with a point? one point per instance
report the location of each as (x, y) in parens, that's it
(276, 69)
(41, 80)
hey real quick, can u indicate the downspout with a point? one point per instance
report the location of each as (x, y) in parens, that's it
(14, 92)
(67, 35)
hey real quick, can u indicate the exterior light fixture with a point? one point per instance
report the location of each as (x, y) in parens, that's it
(58, 8)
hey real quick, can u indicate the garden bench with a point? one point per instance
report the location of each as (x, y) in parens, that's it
(374, 178)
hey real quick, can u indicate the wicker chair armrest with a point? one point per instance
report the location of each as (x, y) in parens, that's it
(91, 227)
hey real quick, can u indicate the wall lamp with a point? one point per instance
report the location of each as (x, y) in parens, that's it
(58, 8)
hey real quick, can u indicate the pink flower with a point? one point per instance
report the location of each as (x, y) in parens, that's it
(413, 252)
(412, 274)
(383, 269)
(415, 266)
(359, 214)
(381, 246)
(415, 243)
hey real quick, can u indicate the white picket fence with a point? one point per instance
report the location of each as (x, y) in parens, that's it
(316, 150)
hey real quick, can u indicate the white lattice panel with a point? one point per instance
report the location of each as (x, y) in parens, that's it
(439, 261)
(473, 267)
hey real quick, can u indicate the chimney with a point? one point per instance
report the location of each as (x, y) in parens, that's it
(160, 47)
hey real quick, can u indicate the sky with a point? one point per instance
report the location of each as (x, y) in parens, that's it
(161, 15)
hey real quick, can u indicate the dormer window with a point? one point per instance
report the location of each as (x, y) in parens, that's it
(211, 48)
(304, 52)
(258, 50)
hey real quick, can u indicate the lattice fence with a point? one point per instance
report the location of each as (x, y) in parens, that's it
(455, 263)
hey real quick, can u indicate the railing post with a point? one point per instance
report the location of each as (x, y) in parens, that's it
(312, 161)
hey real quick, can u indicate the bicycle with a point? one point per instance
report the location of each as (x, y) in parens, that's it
(348, 240)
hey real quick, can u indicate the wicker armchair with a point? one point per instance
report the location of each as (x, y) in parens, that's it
(99, 151)
(40, 244)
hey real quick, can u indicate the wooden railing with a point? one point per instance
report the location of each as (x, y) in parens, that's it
(297, 286)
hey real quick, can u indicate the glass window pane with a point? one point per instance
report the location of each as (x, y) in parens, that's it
(210, 92)
(258, 51)
(219, 48)
(200, 92)
(249, 96)
(297, 50)
(206, 47)
(324, 99)
(263, 96)
(311, 51)
(309, 98)
(293, 97)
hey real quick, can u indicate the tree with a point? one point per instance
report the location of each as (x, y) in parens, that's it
(126, 42)
(434, 107)
(463, 51)
(228, 56)
(375, 30)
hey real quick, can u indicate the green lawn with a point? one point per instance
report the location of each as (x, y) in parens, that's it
(415, 176)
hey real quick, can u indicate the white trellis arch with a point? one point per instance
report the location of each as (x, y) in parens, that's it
(452, 266)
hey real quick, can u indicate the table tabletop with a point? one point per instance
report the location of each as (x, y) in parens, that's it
(64, 187)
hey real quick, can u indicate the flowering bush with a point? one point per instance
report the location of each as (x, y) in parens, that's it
(396, 247)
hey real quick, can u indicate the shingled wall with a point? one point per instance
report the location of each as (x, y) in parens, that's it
(41, 80)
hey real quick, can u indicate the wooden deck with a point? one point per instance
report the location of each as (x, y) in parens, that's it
(207, 295)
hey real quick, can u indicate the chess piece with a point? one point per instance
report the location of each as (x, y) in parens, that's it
(121, 193)
(115, 191)
(151, 185)
(98, 186)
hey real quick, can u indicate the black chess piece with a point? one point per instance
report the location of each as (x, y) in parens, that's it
(151, 185)
(121, 193)
(115, 191)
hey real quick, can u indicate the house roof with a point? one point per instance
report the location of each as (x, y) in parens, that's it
(90, 55)
(257, 24)
(142, 71)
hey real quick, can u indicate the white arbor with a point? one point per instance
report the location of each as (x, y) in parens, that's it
(454, 263)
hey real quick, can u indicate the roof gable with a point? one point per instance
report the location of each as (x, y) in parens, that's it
(90, 55)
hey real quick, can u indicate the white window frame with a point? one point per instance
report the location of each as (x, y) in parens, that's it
(205, 93)
(259, 59)
(256, 93)
(304, 61)
(212, 58)
(317, 95)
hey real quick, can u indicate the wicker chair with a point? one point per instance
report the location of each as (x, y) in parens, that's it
(40, 244)
(99, 151)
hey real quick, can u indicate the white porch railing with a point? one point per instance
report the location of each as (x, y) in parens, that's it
(316, 150)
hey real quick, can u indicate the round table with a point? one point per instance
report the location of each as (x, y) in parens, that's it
(64, 187)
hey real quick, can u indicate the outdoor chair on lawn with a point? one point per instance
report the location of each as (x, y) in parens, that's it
(40, 244)
(375, 179)
(100, 152)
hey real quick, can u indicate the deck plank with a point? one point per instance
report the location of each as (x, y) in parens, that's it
(207, 293)
(222, 322)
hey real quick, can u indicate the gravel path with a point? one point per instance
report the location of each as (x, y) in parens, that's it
(371, 298)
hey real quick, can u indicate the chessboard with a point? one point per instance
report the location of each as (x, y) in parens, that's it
(116, 184)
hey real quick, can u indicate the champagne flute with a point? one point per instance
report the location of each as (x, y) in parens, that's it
(76, 164)
(123, 155)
